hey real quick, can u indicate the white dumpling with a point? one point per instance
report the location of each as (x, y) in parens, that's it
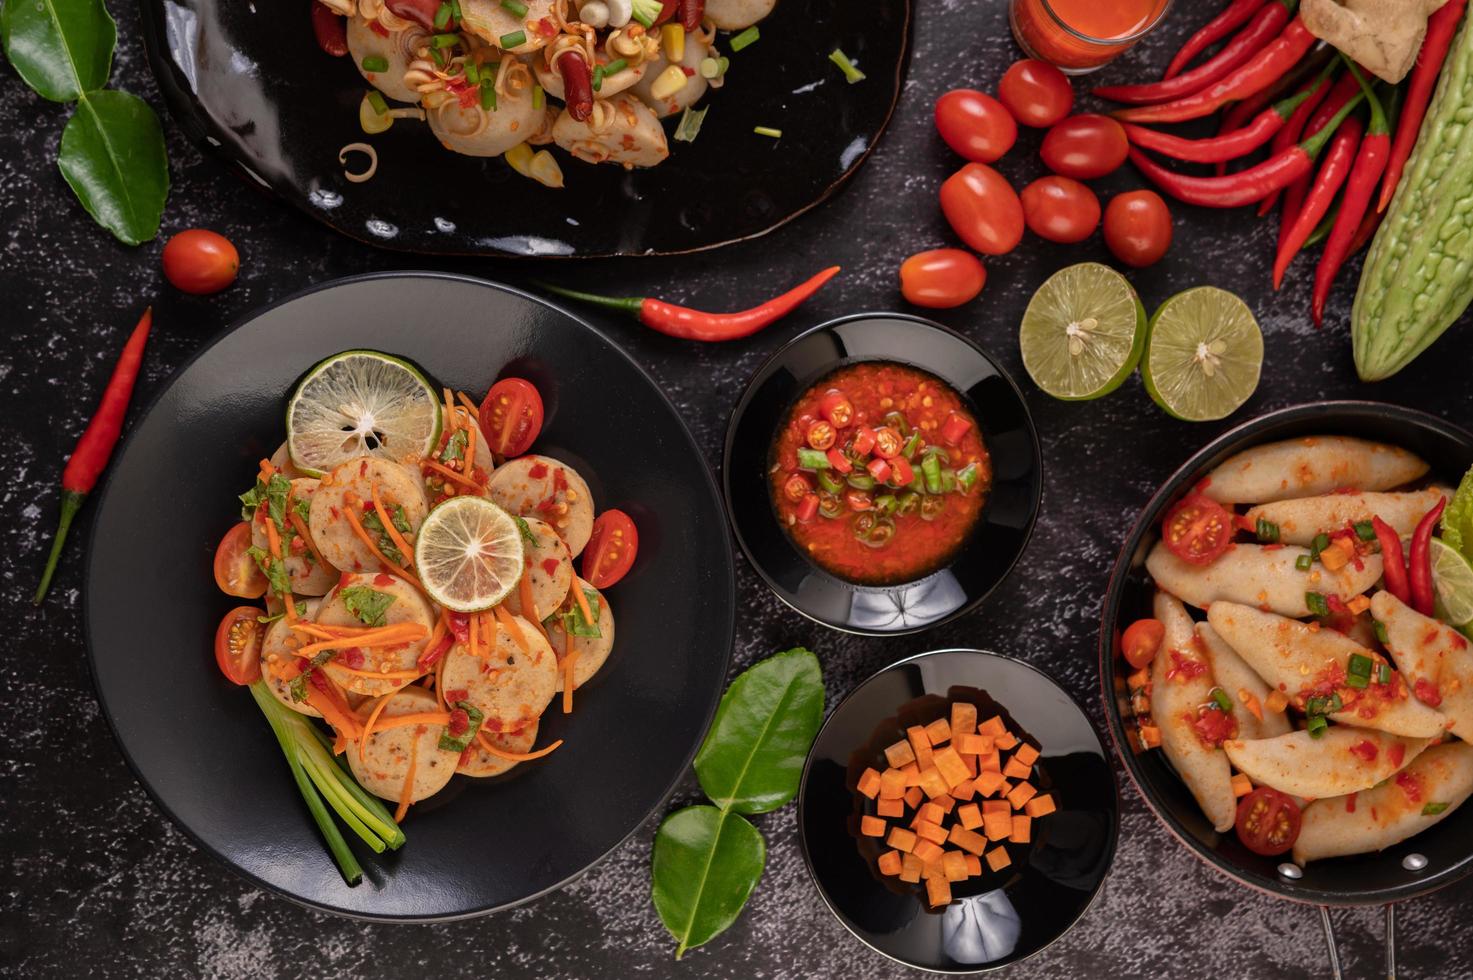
(622, 130)
(398, 49)
(1255, 575)
(490, 21)
(737, 15)
(1308, 467)
(1340, 760)
(687, 95)
(479, 132)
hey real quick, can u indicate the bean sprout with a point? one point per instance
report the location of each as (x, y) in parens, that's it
(365, 149)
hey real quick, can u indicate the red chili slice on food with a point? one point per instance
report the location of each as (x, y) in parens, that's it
(1197, 530)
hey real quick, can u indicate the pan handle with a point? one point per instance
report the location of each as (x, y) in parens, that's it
(1329, 929)
(1390, 941)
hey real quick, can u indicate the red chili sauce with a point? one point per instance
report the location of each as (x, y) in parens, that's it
(879, 473)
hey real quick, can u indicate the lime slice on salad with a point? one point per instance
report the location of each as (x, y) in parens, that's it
(1453, 578)
(357, 403)
(468, 554)
(1204, 354)
(1083, 332)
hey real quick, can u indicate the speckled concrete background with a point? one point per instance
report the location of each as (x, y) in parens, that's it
(95, 882)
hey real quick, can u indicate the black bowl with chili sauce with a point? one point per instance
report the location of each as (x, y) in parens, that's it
(882, 474)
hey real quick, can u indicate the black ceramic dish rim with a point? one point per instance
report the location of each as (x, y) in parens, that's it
(740, 411)
(1235, 439)
(803, 795)
(728, 628)
(199, 133)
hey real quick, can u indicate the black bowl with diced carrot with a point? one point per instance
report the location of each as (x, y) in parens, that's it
(954, 794)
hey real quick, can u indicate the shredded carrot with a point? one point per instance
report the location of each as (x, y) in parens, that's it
(415, 718)
(301, 528)
(341, 632)
(339, 743)
(450, 414)
(515, 756)
(408, 790)
(274, 540)
(1276, 702)
(368, 725)
(1250, 701)
(388, 636)
(509, 623)
(389, 528)
(470, 406)
(450, 474)
(373, 548)
(470, 453)
(436, 635)
(475, 638)
(267, 471)
(335, 714)
(568, 662)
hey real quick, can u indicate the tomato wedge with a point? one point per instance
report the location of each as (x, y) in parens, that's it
(1268, 822)
(238, 645)
(611, 549)
(1142, 641)
(511, 416)
(1198, 530)
(236, 572)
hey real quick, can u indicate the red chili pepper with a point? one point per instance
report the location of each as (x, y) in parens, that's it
(1241, 113)
(1370, 162)
(1266, 26)
(1294, 195)
(839, 461)
(1327, 184)
(1259, 72)
(1440, 29)
(577, 85)
(879, 469)
(95, 448)
(688, 324)
(429, 657)
(667, 10)
(808, 508)
(330, 29)
(691, 13)
(903, 473)
(1237, 13)
(1393, 563)
(1420, 564)
(1293, 130)
(953, 429)
(1221, 148)
(1368, 226)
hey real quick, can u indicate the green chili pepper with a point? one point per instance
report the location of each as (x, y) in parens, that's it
(909, 501)
(898, 422)
(886, 504)
(860, 481)
(931, 470)
(967, 477)
(830, 481)
(932, 506)
(948, 480)
(830, 506)
(912, 446)
(812, 459)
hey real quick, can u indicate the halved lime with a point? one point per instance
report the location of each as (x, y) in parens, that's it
(360, 402)
(1083, 332)
(468, 554)
(1204, 354)
(1453, 578)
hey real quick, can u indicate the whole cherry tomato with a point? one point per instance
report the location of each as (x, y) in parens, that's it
(1138, 227)
(1060, 209)
(983, 209)
(1141, 642)
(975, 124)
(1036, 93)
(200, 261)
(941, 278)
(1085, 147)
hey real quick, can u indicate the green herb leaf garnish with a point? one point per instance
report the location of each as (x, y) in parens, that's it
(369, 605)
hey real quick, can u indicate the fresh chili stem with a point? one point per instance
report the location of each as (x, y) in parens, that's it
(1441, 27)
(1262, 70)
(1393, 562)
(1420, 571)
(95, 448)
(1370, 163)
(1235, 15)
(1267, 23)
(688, 324)
(1332, 175)
(1345, 89)
(1224, 147)
(1293, 130)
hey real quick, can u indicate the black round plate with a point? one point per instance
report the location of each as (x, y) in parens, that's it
(251, 83)
(201, 747)
(1007, 519)
(1367, 879)
(1036, 900)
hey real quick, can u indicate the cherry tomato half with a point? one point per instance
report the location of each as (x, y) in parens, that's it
(511, 416)
(975, 125)
(1268, 822)
(201, 261)
(1085, 147)
(1197, 530)
(1036, 93)
(236, 572)
(941, 278)
(1142, 641)
(1138, 228)
(238, 645)
(611, 549)
(1060, 209)
(983, 209)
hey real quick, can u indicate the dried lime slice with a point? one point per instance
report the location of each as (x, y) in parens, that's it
(468, 554)
(1083, 332)
(360, 403)
(1204, 354)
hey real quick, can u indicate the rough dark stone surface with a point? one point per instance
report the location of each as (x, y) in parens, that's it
(95, 881)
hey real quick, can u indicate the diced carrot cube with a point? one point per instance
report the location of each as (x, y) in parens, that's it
(901, 839)
(988, 783)
(955, 866)
(892, 784)
(968, 840)
(974, 744)
(1005, 788)
(1026, 753)
(1021, 794)
(932, 812)
(970, 761)
(934, 869)
(872, 826)
(1150, 736)
(963, 718)
(1358, 605)
(951, 767)
(945, 802)
(910, 868)
(993, 726)
(938, 892)
(932, 783)
(970, 816)
(991, 762)
(927, 851)
(974, 865)
(939, 731)
(913, 796)
(964, 790)
(899, 754)
(912, 774)
(997, 826)
(997, 858)
(1017, 770)
(869, 783)
(1006, 741)
(920, 745)
(1039, 806)
(1022, 829)
(890, 863)
(996, 806)
(1242, 785)
(931, 831)
(890, 808)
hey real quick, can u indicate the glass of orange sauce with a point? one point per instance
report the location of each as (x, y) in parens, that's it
(1079, 36)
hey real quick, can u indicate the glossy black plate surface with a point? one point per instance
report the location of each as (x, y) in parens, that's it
(1367, 879)
(249, 81)
(1001, 532)
(201, 747)
(1032, 902)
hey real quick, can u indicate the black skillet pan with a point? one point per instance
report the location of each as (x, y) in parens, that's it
(1429, 861)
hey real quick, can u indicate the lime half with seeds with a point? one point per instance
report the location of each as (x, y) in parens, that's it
(468, 554)
(1453, 578)
(360, 403)
(1083, 332)
(1204, 354)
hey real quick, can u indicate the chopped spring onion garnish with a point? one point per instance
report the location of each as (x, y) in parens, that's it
(1318, 605)
(1433, 809)
(377, 101)
(1383, 673)
(1380, 631)
(455, 11)
(539, 99)
(1321, 542)
(1359, 665)
(647, 12)
(443, 14)
(513, 40)
(615, 66)
(1219, 696)
(598, 78)
(375, 62)
(710, 68)
(690, 124)
(1303, 563)
(439, 56)
(514, 7)
(1365, 530)
(488, 94)
(1267, 531)
(1316, 725)
(846, 66)
(445, 40)
(745, 39)
(1324, 704)
(776, 134)
(472, 73)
